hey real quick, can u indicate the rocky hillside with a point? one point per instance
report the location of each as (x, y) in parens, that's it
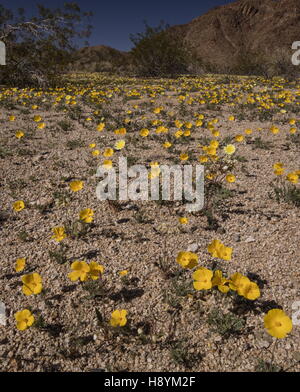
(98, 58)
(244, 31)
(256, 27)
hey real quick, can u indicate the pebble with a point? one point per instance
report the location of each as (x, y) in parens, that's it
(236, 238)
(193, 247)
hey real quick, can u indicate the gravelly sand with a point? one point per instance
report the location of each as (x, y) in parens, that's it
(169, 331)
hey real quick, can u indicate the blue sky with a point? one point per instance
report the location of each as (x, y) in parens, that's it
(114, 21)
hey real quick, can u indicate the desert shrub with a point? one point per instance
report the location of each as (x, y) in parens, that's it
(248, 63)
(280, 63)
(269, 64)
(39, 47)
(159, 52)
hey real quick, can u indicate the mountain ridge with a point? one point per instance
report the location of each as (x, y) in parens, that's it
(221, 37)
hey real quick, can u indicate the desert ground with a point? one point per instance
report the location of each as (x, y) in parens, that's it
(51, 143)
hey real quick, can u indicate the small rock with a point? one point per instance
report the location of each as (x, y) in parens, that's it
(296, 355)
(263, 344)
(249, 239)
(193, 247)
(37, 158)
(236, 238)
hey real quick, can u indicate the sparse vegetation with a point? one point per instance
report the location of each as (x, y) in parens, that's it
(136, 284)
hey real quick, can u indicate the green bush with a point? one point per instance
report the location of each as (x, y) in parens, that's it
(39, 47)
(159, 52)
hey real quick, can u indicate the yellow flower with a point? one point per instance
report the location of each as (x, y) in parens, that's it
(293, 178)
(19, 205)
(80, 270)
(100, 127)
(202, 279)
(37, 118)
(239, 138)
(95, 153)
(41, 125)
(220, 281)
(292, 121)
(279, 172)
(24, 319)
(230, 178)
(278, 169)
(277, 166)
(188, 125)
(187, 133)
(95, 270)
(214, 143)
(118, 318)
(167, 145)
(108, 152)
(187, 259)
(203, 159)
(178, 134)
(19, 134)
(178, 124)
(161, 129)
(239, 283)
(274, 130)
(231, 118)
(210, 176)
(121, 131)
(12, 118)
(277, 323)
(76, 186)
(144, 132)
(252, 291)
(20, 264)
(59, 233)
(229, 149)
(86, 215)
(92, 145)
(123, 273)
(211, 151)
(217, 249)
(215, 133)
(184, 157)
(120, 144)
(154, 172)
(107, 164)
(248, 131)
(293, 131)
(183, 220)
(32, 284)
